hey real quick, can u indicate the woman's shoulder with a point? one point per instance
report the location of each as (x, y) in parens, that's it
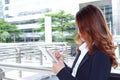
(99, 53)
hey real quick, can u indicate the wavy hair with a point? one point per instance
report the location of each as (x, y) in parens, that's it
(93, 27)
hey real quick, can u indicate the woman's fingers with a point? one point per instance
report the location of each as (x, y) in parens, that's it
(58, 66)
(57, 54)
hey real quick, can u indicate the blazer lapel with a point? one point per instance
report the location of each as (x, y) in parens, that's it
(84, 59)
(76, 59)
(87, 56)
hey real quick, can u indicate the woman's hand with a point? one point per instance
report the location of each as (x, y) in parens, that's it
(58, 55)
(60, 64)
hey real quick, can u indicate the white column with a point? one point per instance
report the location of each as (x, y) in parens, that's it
(116, 23)
(48, 30)
(116, 16)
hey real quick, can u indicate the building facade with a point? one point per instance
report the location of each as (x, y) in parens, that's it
(116, 16)
(25, 17)
(1, 10)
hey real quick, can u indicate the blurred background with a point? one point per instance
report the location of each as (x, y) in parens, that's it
(27, 26)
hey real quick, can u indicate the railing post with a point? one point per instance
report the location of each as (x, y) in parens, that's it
(18, 55)
(41, 58)
(18, 59)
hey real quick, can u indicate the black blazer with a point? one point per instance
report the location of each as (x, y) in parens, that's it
(93, 67)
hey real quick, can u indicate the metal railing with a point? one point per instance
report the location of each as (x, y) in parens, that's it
(14, 56)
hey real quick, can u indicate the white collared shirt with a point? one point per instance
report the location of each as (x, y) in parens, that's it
(83, 48)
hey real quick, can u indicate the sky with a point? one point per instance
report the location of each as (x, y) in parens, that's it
(70, 6)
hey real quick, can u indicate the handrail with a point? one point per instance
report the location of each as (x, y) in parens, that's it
(17, 49)
(21, 66)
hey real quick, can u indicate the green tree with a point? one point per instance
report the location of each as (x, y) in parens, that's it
(41, 29)
(8, 32)
(63, 26)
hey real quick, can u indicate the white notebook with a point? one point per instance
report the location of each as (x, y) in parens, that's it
(49, 54)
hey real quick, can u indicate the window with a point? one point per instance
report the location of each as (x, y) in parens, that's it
(6, 8)
(7, 1)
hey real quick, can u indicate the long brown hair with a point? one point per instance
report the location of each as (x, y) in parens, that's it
(92, 25)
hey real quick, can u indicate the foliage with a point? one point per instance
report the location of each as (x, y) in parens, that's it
(42, 25)
(41, 29)
(61, 21)
(62, 24)
(8, 32)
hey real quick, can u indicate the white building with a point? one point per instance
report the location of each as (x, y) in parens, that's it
(25, 16)
(1, 10)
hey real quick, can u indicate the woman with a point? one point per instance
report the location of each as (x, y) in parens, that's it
(97, 54)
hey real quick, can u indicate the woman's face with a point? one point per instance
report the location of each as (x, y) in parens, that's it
(81, 36)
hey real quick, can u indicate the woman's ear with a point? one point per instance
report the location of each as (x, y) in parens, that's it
(78, 40)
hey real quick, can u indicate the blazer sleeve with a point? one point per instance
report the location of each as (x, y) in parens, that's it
(69, 69)
(64, 74)
(101, 66)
